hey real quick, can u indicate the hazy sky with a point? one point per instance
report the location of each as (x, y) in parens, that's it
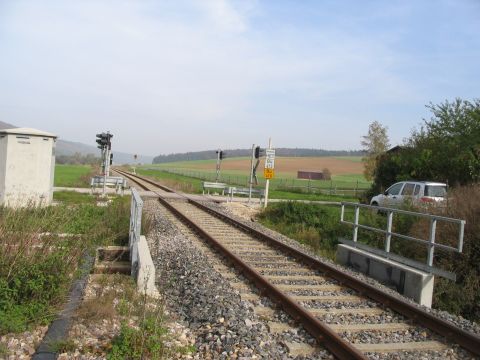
(174, 76)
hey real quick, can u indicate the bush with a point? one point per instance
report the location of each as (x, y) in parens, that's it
(462, 297)
(314, 225)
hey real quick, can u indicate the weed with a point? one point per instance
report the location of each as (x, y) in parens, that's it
(98, 308)
(72, 197)
(63, 346)
(3, 349)
(185, 350)
(314, 225)
(36, 268)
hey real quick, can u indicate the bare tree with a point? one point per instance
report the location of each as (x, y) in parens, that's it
(375, 143)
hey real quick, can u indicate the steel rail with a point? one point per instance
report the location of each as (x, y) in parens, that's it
(451, 332)
(442, 327)
(322, 333)
(132, 177)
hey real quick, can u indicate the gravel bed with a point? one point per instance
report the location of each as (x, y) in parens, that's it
(376, 337)
(194, 271)
(22, 346)
(200, 298)
(457, 320)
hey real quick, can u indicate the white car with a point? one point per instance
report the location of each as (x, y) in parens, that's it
(417, 192)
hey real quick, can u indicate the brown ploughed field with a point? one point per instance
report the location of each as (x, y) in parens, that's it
(293, 164)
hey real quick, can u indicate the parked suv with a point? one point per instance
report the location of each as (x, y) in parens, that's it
(418, 192)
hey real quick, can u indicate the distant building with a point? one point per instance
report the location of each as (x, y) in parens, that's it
(311, 175)
(395, 149)
(27, 164)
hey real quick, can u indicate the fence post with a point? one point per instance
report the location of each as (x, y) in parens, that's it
(431, 245)
(355, 227)
(388, 237)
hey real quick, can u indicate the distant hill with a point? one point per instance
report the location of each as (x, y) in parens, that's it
(294, 152)
(65, 147)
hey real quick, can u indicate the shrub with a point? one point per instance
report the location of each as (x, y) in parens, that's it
(314, 225)
(462, 297)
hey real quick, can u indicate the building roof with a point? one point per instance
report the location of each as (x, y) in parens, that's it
(27, 131)
(394, 149)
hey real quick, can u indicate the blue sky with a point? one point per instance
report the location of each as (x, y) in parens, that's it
(174, 76)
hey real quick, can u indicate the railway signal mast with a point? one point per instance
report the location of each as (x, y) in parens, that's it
(257, 152)
(105, 144)
(220, 156)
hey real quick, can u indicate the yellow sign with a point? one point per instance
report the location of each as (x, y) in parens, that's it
(268, 173)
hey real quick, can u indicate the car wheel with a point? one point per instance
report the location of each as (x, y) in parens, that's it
(375, 211)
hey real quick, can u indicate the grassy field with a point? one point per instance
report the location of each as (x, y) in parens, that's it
(347, 173)
(73, 175)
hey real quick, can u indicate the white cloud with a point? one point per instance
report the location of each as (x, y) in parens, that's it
(202, 65)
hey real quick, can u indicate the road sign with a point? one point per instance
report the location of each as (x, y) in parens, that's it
(268, 173)
(269, 159)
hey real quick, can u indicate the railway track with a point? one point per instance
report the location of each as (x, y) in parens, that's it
(353, 320)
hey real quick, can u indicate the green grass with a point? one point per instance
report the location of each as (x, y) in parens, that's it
(317, 226)
(288, 195)
(73, 197)
(34, 280)
(73, 175)
(281, 180)
(177, 182)
(194, 185)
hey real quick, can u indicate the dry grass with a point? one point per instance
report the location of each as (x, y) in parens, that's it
(463, 296)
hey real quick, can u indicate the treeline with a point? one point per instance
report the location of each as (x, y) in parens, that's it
(77, 159)
(294, 152)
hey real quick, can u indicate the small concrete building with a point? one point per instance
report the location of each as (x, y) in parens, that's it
(27, 165)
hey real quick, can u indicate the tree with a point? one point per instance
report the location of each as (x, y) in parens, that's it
(446, 149)
(449, 143)
(375, 143)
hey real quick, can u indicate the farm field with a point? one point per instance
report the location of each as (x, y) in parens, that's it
(286, 167)
(72, 175)
(347, 173)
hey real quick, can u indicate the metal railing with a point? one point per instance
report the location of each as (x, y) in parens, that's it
(135, 228)
(430, 243)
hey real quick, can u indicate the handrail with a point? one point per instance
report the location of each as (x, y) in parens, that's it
(135, 227)
(430, 243)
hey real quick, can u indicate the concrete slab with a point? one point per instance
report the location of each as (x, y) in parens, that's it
(407, 346)
(264, 312)
(412, 283)
(278, 327)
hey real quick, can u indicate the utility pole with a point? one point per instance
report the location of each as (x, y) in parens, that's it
(267, 184)
(251, 174)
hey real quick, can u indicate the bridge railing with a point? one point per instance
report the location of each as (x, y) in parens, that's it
(430, 243)
(135, 228)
